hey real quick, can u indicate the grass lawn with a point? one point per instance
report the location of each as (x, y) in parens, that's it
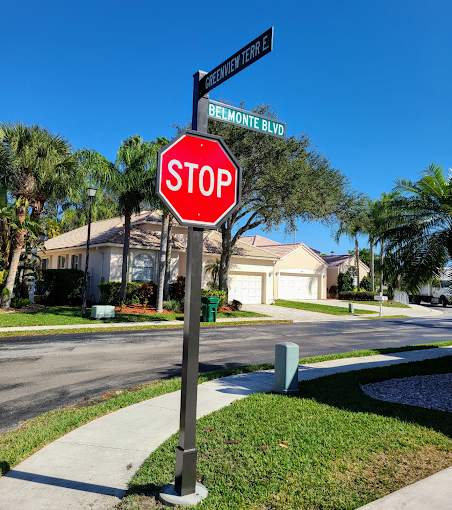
(330, 448)
(34, 434)
(389, 304)
(314, 307)
(62, 315)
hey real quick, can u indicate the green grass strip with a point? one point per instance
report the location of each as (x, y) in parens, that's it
(65, 315)
(388, 304)
(19, 334)
(314, 307)
(34, 434)
(332, 447)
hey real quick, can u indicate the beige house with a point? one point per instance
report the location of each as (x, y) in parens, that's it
(342, 263)
(261, 270)
(251, 274)
(300, 272)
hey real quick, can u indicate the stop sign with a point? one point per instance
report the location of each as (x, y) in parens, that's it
(198, 179)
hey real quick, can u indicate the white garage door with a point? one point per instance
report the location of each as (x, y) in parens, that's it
(246, 288)
(298, 287)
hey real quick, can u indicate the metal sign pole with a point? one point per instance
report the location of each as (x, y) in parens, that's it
(186, 452)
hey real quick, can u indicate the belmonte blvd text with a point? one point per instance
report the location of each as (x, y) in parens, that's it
(224, 178)
(231, 115)
(243, 58)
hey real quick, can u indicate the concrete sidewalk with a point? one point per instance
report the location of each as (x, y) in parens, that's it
(100, 325)
(90, 467)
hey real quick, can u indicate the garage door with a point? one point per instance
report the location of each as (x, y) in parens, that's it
(246, 288)
(298, 287)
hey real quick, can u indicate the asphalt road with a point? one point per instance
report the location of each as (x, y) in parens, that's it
(41, 373)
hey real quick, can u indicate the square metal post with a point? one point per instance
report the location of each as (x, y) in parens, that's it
(186, 452)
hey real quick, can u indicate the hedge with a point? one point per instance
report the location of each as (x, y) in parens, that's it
(221, 294)
(109, 292)
(63, 285)
(357, 296)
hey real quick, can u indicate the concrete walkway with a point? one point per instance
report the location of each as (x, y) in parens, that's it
(90, 468)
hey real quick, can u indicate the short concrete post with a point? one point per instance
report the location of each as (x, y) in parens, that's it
(286, 368)
(351, 308)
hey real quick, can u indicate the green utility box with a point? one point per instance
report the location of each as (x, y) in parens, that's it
(209, 308)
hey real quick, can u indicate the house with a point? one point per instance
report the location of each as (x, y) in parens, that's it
(300, 272)
(251, 269)
(342, 263)
(260, 271)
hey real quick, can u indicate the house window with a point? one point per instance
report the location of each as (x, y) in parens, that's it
(76, 261)
(62, 261)
(143, 268)
(44, 264)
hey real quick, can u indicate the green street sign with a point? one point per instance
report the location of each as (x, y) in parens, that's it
(249, 120)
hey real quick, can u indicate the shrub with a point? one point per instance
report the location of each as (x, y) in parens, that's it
(177, 289)
(357, 296)
(20, 302)
(64, 286)
(390, 293)
(147, 292)
(236, 304)
(344, 282)
(366, 283)
(109, 292)
(172, 305)
(221, 294)
(332, 291)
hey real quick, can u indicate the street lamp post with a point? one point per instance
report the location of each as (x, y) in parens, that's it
(91, 192)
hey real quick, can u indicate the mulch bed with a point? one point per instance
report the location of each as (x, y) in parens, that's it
(140, 309)
(149, 310)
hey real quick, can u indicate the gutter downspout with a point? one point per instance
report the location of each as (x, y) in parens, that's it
(102, 253)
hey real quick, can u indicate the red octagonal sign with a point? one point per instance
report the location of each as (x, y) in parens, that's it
(198, 179)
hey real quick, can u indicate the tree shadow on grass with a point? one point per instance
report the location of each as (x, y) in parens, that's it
(343, 391)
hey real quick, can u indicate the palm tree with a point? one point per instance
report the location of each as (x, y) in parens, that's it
(132, 182)
(353, 224)
(43, 167)
(419, 239)
(213, 267)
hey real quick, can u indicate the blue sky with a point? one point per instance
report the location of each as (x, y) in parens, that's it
(369, 81)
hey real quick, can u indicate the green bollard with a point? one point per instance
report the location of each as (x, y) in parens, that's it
(286, 368)
(351, 308)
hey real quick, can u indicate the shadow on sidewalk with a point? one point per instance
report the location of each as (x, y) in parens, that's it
(68, 484)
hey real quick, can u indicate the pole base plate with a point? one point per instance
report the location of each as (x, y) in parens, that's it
(169, 497)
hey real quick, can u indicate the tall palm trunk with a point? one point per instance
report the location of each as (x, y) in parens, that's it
(125, 258)
(225, 260)
(162, 261)
(382, 251)
(168, 259)
(357, 260)
(17, 246)
(372, 264)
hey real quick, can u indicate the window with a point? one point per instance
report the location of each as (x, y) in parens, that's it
(143, 268)
(44, 264)
(62, 261)
(76, 261)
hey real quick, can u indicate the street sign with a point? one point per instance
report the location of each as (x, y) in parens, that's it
(249, 120)
(243, 58)
(198, 179)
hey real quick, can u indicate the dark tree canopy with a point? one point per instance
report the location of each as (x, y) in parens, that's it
(284, 181)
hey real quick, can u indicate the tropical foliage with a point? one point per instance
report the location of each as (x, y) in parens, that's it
(418, 231)
(37, 166)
